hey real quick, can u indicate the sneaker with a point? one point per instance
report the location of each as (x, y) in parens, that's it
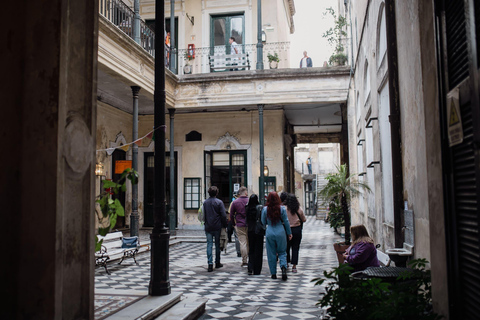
(274, 276)
(294, 269)
(218, 265)
(244, 265)
(210, 267)
(284, 274)
(250, 272)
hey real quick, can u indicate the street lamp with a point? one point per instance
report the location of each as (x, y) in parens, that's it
(265, 171)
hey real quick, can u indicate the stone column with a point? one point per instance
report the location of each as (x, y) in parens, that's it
(171, 212)
(48, 131)
(134, 215)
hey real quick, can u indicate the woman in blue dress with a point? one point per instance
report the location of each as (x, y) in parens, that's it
(274, 217)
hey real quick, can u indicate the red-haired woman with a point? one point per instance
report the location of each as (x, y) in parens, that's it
(274, 216)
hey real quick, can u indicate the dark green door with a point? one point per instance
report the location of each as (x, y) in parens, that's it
(227, 171)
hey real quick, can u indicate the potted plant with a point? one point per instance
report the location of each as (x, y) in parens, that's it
(342, 187)
(336, 37)
(273, 60)
(187, 68)
(110, 208)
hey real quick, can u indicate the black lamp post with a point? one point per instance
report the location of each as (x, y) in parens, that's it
(159, 270)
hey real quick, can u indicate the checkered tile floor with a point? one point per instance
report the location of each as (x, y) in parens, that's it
(231, 292)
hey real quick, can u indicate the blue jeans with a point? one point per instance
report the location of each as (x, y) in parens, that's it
(210, 235)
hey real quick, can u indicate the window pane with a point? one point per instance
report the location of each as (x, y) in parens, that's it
(219, 32)
(151, 162)
(236, 25)
(221, 159)
(188, 196)
(237, 159)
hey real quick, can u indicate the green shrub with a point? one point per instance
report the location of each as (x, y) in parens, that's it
(407, 298)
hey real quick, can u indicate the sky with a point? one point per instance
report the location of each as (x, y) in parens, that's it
(310, 24)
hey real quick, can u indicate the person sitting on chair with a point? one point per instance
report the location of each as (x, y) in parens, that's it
(362, 253)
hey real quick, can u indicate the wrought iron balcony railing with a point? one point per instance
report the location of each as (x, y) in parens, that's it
(201, 61)
(118, 13)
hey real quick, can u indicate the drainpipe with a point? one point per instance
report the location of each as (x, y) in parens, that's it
(136, 21)
(134, 214)
(261, 192)
(259, 39)
(172, 36)
(394, 118)
(159, 284)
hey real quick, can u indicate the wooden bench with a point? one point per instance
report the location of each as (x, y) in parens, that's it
(229, 62)
(116, 246)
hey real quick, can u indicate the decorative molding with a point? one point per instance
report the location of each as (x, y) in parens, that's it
(227, 140)
(119, 141)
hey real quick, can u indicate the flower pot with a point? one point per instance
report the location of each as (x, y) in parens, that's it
(187, 69)
(273, 64)
(340, 249)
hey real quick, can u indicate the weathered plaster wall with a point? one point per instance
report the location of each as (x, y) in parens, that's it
(242, 126)
(415, 173)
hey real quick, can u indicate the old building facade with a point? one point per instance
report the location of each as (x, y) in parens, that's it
(415, 83)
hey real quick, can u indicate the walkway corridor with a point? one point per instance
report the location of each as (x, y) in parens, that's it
(231, 292)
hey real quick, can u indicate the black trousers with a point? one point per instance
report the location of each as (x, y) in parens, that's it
(255, 252)
(294, 245)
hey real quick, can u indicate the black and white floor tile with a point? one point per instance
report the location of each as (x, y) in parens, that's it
(231, 293)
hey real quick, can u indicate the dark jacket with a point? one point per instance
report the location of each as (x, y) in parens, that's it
(237, 211)
(215, 215)
(362, 255)
(309, 62)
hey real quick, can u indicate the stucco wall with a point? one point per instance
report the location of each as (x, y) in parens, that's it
(242, 128)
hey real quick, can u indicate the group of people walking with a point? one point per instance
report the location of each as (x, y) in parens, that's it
(280, 221)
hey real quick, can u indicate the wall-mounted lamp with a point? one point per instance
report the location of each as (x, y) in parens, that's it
(99, 169)
(264, 36)
(265, 171)
(192, 19)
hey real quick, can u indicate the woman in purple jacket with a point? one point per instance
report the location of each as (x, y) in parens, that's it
(362, 253)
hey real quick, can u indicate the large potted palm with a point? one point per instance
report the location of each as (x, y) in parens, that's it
(343, 186)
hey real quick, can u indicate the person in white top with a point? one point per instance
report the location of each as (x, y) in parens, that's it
(234, 49)
(233, 46)
(306, 61)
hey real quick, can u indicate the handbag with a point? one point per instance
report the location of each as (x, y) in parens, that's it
(130, 242)
(259, 227)
(301, 222)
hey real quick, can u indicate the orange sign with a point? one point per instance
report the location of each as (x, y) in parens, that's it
(121, 165)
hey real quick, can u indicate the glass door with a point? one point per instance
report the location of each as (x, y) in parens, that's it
(227, 171)
(224, 27)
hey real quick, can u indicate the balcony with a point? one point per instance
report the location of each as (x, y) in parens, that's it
(120, 15)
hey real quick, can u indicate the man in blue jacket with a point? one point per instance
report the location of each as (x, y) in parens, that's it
(215, 220)
(306, 61)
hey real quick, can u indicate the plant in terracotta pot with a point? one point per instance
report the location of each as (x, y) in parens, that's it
(273, 60)
(343, 186)
(187, 68)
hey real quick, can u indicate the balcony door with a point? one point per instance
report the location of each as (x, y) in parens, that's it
(222, 28)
